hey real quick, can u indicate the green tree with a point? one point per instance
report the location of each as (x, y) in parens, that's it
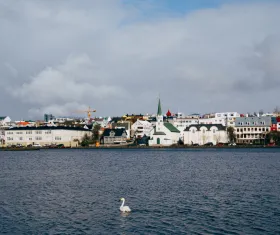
(95, 132)
(85, 141)
(231, 134)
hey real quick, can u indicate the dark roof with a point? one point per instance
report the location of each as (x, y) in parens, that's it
(208, 126)
(31, 128)
(121, 124)
(3, 117)
(118, 132)
(170, 127)
(116, 119)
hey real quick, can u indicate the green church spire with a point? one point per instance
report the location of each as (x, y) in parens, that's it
(159, 112)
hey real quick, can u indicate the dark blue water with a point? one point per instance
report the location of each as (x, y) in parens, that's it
(169, 191)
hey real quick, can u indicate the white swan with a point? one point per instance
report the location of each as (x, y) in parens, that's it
(124, 208)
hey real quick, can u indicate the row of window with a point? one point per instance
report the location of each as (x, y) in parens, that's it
(36, 138)
(251, 123)
(27, 132)
(250, 136)
(204, 131)
(251, 129)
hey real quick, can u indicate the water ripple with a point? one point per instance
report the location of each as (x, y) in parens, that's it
(169, 191)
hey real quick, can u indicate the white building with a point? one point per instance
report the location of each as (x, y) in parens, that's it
(4, 120)
(69, 136)
(163, 133)
(141, 128)
(205, 133)
(229, 117)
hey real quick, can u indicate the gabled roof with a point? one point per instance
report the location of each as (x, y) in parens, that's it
(118, 132)
(170, 127)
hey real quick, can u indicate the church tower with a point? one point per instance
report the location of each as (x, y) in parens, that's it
(159, 124)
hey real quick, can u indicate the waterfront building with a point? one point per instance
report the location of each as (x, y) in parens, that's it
(204, 133)
(141, 128)
(114, 136)
(251, 129)
(164, 133)
(123, 125)
(46, 135)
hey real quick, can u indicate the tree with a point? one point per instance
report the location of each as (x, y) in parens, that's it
(85, 141)
(231, 134)
(95, 132)
(273, 136)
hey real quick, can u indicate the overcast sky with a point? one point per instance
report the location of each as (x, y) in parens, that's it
(118, 56)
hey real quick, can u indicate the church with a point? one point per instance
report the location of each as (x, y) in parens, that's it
(164, 133)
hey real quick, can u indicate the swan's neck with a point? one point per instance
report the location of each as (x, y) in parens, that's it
(122, 203)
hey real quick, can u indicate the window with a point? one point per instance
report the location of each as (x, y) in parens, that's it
(214, 131)
(48, 132)
(30, 138)
(59, 137)
(193, 131)
(20, 138)
(38, 138)
(9, 138)
(28, 132)
(38, 132)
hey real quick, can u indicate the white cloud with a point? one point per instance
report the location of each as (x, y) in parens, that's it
(208, 60)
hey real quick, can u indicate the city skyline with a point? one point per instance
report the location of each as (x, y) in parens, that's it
(116, 56)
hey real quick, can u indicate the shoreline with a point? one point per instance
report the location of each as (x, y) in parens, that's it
(147, 147)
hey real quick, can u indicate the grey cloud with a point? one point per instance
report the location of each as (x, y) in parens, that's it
(71, 54)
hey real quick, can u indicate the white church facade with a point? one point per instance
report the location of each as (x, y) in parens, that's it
(164, 133)
(205, 133)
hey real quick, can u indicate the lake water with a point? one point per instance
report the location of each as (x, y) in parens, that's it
(201, 191)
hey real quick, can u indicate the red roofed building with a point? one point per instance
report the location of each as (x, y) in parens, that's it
(168, 114)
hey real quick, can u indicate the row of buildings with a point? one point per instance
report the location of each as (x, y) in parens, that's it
(160, 129)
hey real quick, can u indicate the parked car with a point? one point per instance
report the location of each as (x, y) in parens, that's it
(209, 144)
(195, 145)
(232, 144)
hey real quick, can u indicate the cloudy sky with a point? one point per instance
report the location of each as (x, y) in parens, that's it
(117, 56)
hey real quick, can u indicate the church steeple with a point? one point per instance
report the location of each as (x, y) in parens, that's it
(159, 122)
(159, 112)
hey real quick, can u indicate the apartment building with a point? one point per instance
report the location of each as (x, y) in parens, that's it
(45, 135)
(250, 129)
